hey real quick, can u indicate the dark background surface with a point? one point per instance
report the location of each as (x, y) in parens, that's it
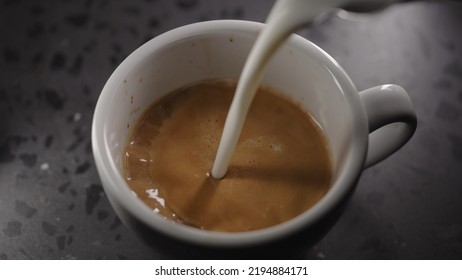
(55, 57)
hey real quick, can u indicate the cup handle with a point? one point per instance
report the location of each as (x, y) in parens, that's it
(392, 120)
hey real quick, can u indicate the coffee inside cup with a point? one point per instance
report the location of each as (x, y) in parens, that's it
(281, 167)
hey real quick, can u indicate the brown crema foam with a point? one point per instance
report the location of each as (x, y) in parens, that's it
(281, 166)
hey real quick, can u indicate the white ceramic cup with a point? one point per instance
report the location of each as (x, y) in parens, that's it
(362, 128)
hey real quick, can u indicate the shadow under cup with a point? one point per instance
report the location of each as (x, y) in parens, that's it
(218, 50)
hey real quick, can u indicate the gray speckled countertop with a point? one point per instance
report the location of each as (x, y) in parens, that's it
(55, 57)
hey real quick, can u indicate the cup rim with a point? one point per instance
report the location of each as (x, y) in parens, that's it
(117, 188)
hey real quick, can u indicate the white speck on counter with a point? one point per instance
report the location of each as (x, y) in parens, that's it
(77, 117)
(321, 255)
(69, 257)
(97, 243)
(45, 166)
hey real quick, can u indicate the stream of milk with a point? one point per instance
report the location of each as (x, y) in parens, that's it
(285, 17)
